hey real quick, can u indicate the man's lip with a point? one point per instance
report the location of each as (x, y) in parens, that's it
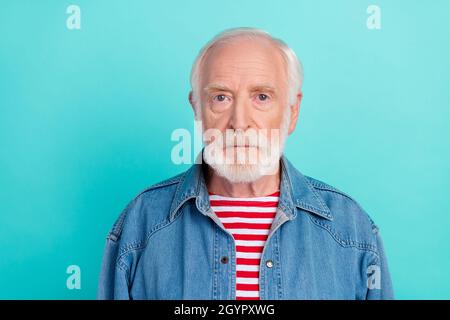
(235, 147)
(245, 146)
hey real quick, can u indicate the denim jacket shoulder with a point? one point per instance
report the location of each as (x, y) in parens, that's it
(351, 225)
(146, 213)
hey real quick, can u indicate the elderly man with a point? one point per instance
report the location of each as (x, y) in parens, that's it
(243, 222)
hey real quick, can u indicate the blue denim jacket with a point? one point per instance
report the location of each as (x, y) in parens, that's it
(168, 244)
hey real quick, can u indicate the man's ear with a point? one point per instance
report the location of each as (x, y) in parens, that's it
(295, 109)
(193, 104)
(191, 100)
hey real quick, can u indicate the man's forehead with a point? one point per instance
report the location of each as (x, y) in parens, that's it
(230, 80)
(250, 56)
(252, 65)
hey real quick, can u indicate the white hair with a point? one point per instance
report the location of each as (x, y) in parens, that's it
(294, 66)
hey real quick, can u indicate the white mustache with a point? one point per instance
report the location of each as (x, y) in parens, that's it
(242, 140)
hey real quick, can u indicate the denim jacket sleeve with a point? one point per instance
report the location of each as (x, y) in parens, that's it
(379, 282)
(129, 232)
(113, 282)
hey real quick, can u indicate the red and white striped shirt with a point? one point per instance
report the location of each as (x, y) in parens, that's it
(249, 221)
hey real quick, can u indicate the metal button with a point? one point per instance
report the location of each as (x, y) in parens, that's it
(269, 263)
(224, 259)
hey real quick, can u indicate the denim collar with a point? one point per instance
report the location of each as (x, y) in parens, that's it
(295, 192)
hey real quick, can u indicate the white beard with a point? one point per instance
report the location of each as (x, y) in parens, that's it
(243, 165)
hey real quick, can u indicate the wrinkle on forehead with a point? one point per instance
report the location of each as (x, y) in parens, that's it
(244, 58)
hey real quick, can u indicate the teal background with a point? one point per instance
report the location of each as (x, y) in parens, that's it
(86, 118)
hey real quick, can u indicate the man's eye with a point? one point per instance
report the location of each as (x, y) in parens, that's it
(220, 97)
(263, 97)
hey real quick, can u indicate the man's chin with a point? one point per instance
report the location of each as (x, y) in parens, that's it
(244, 173)
(239, 167)
(240, 173)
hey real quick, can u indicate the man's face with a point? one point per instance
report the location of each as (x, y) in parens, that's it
(243, 89)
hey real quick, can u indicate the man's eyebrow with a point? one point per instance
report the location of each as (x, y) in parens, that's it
(216, 87)
(263, 87)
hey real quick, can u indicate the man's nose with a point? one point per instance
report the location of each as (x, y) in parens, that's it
(239, 119)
